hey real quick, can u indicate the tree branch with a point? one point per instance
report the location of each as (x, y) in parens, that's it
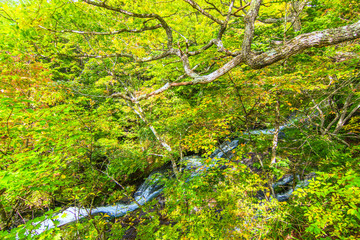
(304, 41)
(249, 26)
(300, 43)
(137, 15)
(203, 12)
(105, 33)
(128, 55)
(225, 23)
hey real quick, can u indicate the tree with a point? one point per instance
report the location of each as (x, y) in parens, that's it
(153, 31)
(139, 76)
(178, 35)
(225, 21)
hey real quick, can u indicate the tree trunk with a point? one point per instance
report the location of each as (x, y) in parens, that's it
(138, 110)
(3, 215)
(277, 129)
(297, 8)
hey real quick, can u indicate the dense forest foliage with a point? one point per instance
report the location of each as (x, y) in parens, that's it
(97, 94)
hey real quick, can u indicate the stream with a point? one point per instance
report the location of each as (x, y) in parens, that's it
(153, 186)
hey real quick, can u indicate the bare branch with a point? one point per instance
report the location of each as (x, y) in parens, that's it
(224, 25)
(7, 17)
(296, 45)
(165, 87)
(275, 20)
(203, 12)
(249, 26)
(240, 9)
(255, 61)
(137, 15)
(304, 41)
(128, 55)
(105, 33)
(352, 113)
(205, 47)
(220, 48)
(214, 7)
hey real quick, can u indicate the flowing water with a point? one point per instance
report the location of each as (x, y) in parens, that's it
(151, 188)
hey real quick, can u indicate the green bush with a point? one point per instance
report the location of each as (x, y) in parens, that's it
(329, 206)
(221, 204)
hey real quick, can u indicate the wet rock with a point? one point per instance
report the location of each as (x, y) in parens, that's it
(224, 151)
(287, 183)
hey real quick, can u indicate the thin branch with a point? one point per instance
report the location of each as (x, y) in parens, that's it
(125, 192)
(137, 15)
(212, 42)
(203, 12)
(276, 20)
(104, 33)
(225, 23)
(1, 151)
(214, 7)
(7, 122)
(240, 9)
(127, 55)
(7, 17)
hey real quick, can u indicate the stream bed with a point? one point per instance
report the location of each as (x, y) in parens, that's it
(153, 186)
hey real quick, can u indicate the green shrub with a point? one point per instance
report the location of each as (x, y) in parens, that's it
(329, 206)
(221, 204)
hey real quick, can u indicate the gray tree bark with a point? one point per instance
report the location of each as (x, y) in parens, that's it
(244, 56)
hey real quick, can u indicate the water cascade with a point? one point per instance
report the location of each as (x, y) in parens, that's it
(153, 186)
